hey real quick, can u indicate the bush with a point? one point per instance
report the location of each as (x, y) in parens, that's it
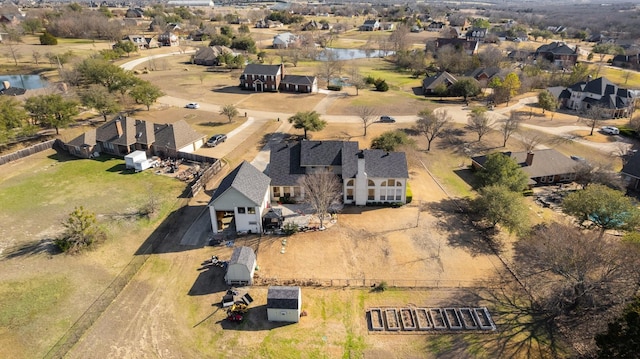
(527, 192)
(287, 200)
(334, 87)
(48, 39)
(381, 287)
(627, 132)
(369, 80)
(290, 228)
(409, 194)
(381, 85)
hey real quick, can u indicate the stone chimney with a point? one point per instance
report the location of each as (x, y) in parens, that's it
(119, 127)
(529, 159)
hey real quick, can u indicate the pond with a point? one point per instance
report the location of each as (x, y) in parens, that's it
(28, 82)
(350, 54)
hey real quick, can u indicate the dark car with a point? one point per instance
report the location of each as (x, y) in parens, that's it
(387, 119)
(215, 140)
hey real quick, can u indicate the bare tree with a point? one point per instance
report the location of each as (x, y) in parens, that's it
(36, 57)
(399, 38)
(432, 124)
(588, 173)
(321, 190)
(367, 115)
(509, 126)
(330, 68)
(530, 142)
(479, 122)
(593, 115)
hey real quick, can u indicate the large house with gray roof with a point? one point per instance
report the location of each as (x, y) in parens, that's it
(124, 135)
(368, 176)
(558, 53)
(544, 167)
(240, 200)
(618, 102)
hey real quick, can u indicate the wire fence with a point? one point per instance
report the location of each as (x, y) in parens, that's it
(100, 305)
(370, 283)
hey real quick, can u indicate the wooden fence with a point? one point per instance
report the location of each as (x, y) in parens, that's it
(26, 152)
(211, 170)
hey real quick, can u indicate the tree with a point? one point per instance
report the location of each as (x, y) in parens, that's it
(479, 122)
(31, 25)
(321, 190)
(599, 206)
(126, 46)
(220, 40)
(399, 38)
(146, 93)
(511, 85)
(230, 111)
(81, 231)
(509, 126)
(465, 87)
(36, 57)
(588, 173)
(431, 125)
(48, 39)
(12, 115)
(547, 101)
(52, 110)
(621, 338)
(98, 98)
(593, 115)
(390, 140)
(501, 170)
(367, 115)
(244, 43)
(497, 204)
(381, 85)
(307, 121)
(329, 68)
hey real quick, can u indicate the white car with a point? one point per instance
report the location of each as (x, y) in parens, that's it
(193, 105)
(610, 130)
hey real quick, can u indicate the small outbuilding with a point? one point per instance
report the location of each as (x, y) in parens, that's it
(284, 304)
(241, 267)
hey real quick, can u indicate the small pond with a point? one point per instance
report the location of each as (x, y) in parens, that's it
(350, 54)
(28, 82)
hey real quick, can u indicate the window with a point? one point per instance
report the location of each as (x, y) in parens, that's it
(372, 194)
(350, 183)
(252, 223)
(399, 195)
(370, 183)
(391, 182)
(297, 191)
(383, 197)
(349, 194)
(383, 184)
(276, 192)
(286, 191)
(241, 210)
(251, 210)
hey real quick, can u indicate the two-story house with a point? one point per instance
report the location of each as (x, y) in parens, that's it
(368, 176)
(618, 102)
(558, 53)
(260, 78)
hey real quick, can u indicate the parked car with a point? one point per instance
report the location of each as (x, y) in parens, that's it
(215, 140)
(610, 130)
(193, 105)
(387, 119)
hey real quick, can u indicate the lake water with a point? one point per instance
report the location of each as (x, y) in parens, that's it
(28, 82)
(350, 54)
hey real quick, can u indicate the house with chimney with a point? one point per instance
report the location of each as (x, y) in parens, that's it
(544, 167)
(470, 47)
(367, 176)
(271, 78)
(558, 53)
(602, 93)
(123, 135)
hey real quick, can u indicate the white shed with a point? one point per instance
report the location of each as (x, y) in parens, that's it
(284, 304)
(241, 267)
(135, 156)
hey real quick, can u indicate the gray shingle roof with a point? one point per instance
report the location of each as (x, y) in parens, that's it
(558, 48)
(109, 131)
(284, 164)
(632, 166)
(259, 69)
(176, 135)
(247, 180)
(87, 138)
(244, 256)
(298, 80)
(281, 297)
(378, 164)
(443, 77)
(547, 162)
(321, 153)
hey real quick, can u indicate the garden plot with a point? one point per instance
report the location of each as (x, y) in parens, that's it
(425, 320)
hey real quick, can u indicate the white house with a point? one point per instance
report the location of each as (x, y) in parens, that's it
(617, 101)
(284, 304)
(241, 267)
(368, 176)
(243, 197)
(284, 40)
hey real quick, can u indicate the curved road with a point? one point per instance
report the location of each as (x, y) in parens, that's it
(459, 114)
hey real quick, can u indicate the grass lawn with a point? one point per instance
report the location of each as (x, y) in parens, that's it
(42, 293)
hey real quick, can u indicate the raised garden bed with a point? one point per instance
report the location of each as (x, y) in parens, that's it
(468, 319)
(438, 318)
(484, 319)
(453, 319)
(408, 322)
(391, 315)
(422, 319)
(375, 318)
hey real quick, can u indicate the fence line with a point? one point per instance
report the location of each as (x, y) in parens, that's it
(100, 305)
(371, 282)
(14, 156)
(206, 175)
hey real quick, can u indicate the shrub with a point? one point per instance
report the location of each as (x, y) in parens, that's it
(48, 39)
(334, 88)
(382, 86)
(287, 200)
(381, 287)
(409, 194)
(290, 228)
(369, 80)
